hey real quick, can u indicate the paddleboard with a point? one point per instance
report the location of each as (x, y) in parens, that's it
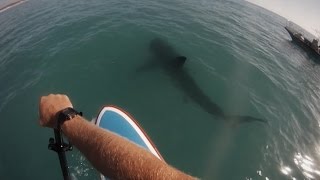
(120, 122)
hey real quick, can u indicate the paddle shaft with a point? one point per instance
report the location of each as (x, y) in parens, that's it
(62, 155)
(60, 147)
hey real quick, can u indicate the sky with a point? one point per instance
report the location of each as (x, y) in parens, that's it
(302, 12)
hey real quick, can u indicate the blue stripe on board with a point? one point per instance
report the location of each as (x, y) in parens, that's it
(116, 123)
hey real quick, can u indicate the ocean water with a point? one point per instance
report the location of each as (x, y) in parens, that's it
(239, 54)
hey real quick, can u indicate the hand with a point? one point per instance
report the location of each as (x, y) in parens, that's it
(49, 106)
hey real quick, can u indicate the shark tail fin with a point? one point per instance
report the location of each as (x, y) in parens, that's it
(244, 119)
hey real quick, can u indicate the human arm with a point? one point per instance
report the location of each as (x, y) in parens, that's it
(114, 156)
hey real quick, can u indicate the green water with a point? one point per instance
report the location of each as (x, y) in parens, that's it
(239, 55)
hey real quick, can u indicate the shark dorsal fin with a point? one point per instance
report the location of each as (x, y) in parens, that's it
(179, 61)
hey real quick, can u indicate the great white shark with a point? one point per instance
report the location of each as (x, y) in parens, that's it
(167, 58)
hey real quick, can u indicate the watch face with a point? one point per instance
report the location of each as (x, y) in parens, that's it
(63, 115)
(69, 113)
(66, 114)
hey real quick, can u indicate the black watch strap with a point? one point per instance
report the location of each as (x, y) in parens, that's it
(66, 114)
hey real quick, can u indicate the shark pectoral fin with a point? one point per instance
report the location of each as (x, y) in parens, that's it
(179, 61)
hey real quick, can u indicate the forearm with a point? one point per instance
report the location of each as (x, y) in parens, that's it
(114, 156)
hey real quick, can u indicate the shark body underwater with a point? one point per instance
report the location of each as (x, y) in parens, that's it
(167, 58)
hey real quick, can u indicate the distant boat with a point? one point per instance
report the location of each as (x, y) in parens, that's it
(304, 42)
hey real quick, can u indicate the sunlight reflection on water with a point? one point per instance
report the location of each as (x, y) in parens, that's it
(306, 164)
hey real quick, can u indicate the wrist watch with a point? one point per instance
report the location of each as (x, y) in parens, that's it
(66, 114)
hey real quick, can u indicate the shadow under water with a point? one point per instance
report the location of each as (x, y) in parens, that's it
(165, 57)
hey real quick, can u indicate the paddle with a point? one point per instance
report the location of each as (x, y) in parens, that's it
(59, 146)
